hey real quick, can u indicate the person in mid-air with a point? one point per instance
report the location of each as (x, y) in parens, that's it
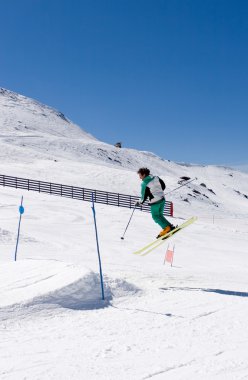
(152, 187)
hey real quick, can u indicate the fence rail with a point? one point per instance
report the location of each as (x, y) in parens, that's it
(80, 193)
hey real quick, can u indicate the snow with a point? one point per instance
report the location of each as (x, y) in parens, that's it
(188, 321)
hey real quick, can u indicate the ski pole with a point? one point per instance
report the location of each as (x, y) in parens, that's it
(181, 186)
(128, 222)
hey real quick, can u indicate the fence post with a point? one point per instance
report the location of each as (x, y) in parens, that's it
(97, 244)
(21, 211)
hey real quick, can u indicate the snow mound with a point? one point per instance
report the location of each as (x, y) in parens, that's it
(51, 282)
(47, 281)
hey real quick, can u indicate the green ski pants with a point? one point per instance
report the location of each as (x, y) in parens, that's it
(157, 211)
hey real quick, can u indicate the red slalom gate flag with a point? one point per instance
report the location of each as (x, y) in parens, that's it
(169, 255)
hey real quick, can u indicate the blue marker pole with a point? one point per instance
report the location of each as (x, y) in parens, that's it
(21, 211)
(97, 244)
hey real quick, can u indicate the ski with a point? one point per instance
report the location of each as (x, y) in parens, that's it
(156, 243)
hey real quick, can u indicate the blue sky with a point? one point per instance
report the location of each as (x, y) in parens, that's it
(168, 76)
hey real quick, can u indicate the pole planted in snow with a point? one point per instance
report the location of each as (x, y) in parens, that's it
(21, 211)
(128, 222)
(97, 244)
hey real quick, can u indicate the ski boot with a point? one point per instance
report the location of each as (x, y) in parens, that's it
(166, 230)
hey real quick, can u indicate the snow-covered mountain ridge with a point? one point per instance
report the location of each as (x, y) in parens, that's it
(39, 142)
(24, 117)
(47, 134)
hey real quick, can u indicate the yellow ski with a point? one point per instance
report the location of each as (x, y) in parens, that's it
(156, 243)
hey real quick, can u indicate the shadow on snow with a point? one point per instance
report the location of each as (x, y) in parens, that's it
(208, 290)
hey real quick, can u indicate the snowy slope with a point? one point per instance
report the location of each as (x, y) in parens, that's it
(24, 117)
(35, 131)
(183, 322)
(44, 139)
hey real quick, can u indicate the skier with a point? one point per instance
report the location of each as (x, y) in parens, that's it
(152, 187)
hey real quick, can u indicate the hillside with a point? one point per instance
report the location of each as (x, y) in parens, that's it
(180, 322)
(36, 141)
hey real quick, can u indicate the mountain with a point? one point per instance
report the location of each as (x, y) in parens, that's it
(37, 131)
(187, 321)
(39, 142)
(24, 117)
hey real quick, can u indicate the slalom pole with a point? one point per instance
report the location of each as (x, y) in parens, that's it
(181, 186)
(21, 211)
(97, 244)
(128, 223)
